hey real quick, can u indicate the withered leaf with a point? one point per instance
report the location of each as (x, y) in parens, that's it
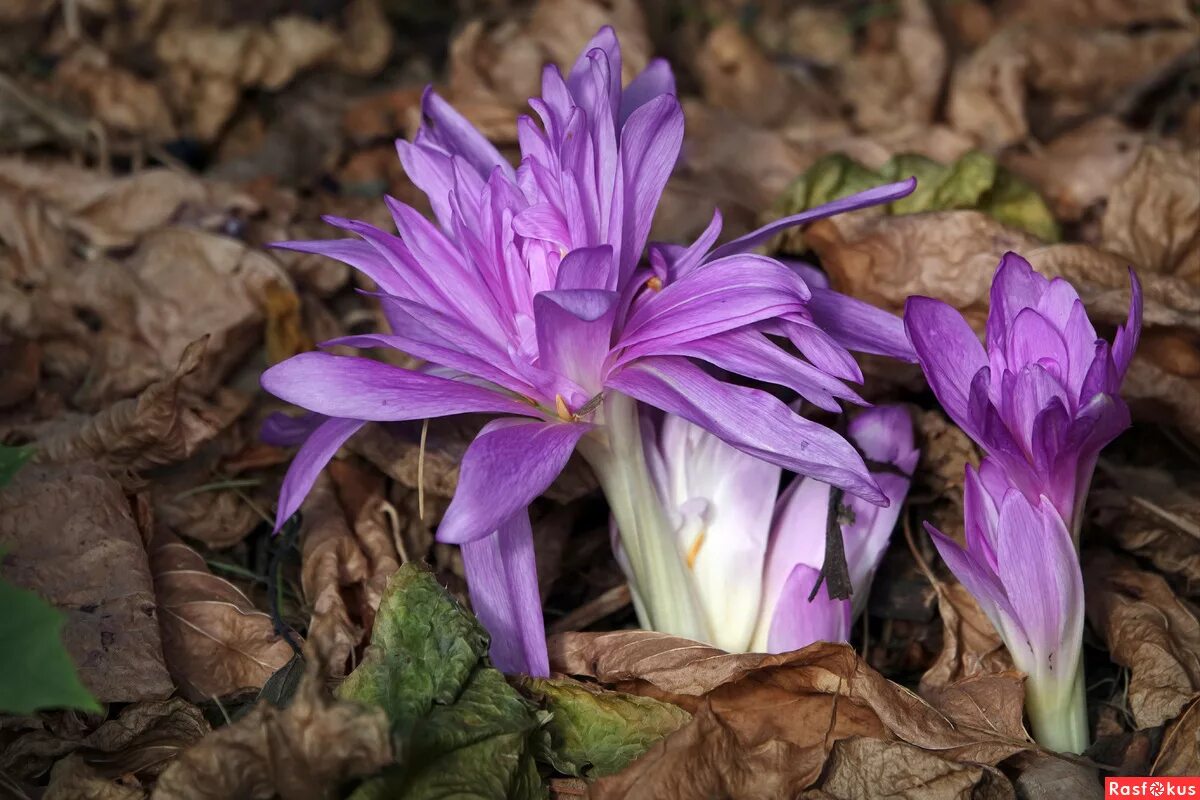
(69, 535)
(1149, 631)
(302, 752)
(1180, 751)
(1153, 213)
(872, 769)
(215, 640)
(162, 425)
(73, 779)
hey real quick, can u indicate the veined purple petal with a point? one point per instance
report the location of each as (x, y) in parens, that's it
(1033, 340)
(310, 459)
(978, 579)
(650, 142)
(284, 430)
(747, 352)
(509, 464)
(865, 199)
(860, 326)
(722, 296)
(502, 581)
(1025, 395)
(885, 434)
(587, 268)
(361, 256)
(797, 622)
(749, 419)
(797, 537)
(450, 131)
(433, 173)
(1126, 341)
(574, 331)
(822, 350)
(358, 388)
(656, 79)
(948, 351)
(578, 80)
(693, 256)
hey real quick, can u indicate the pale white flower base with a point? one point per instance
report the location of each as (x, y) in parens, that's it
(1057, 711)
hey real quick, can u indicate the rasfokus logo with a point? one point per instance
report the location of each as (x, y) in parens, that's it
(1152, 787)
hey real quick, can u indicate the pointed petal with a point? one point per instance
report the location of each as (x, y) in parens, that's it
(870, 197)
(650, 142)
(656, 79)
(1126, 341)
(885, 434)
(449, 130)
(308, 462)
(433, 173)
(693, 256)
(502, 581)
(860, 326)
(750, 420)
(586, 268)
(605, 40)
(1015, 286)
(509, 464)
(358, 388)
(797, 538)
(948, 351)
(360, 255)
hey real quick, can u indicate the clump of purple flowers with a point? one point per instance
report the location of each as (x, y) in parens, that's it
(1042, 400)
(530, 298)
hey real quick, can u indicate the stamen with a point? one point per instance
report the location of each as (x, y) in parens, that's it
(560, 406)
(694, 550)
(655, 284)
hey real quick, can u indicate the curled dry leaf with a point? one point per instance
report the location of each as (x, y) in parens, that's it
(872, 769)
(302, 752)
(162, 425)
(215, 641)
(114, 96)
(68, 534)
(74, 779)
(1077, 68)
(1153, 213)
(141, 742)
(763, 725)
(1180, 751)
(1078, 169)
(899, 87)
(1150, 631)
(1155, 516)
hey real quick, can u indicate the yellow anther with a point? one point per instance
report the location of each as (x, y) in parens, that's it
(694, 550)
(655, 283)
(560, 406)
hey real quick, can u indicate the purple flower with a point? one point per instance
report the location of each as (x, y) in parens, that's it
(1043, 398)
(751, 555)
(1021, 566)
(529, 300)
(787, 620)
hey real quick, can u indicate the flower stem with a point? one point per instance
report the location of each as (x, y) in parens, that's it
(1058, 711)
(615, 451)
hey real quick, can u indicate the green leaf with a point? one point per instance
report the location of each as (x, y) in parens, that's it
(462, 731)
(37, 671)
(11, 459)
(592, 732)
(974, 181)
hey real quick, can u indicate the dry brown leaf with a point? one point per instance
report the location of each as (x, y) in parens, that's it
(752, 691)
(215, 641)
(1041, 777)
(1149, 631)
(115, 96)
(1077, 170)
(21, 366)
(563, 27)
(1117, 13)
(872, 769)
(299, 753)
(1155, 516)
(898, 88)
(160, 426)
(69, 535)
(1180, 751)
(73, 779)
(1078, 69)
(1153, 213)
(141, 741)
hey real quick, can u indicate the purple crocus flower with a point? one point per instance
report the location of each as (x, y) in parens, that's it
(528, 299)
(787, 619)
(753, 555)
(1043, 398)
(1021, 566)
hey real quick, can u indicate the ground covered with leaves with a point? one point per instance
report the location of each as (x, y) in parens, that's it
(149, 151)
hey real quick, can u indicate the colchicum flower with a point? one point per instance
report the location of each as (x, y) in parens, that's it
(529, 299)
(1044, 398)
(752, 558)
(1021, 566)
